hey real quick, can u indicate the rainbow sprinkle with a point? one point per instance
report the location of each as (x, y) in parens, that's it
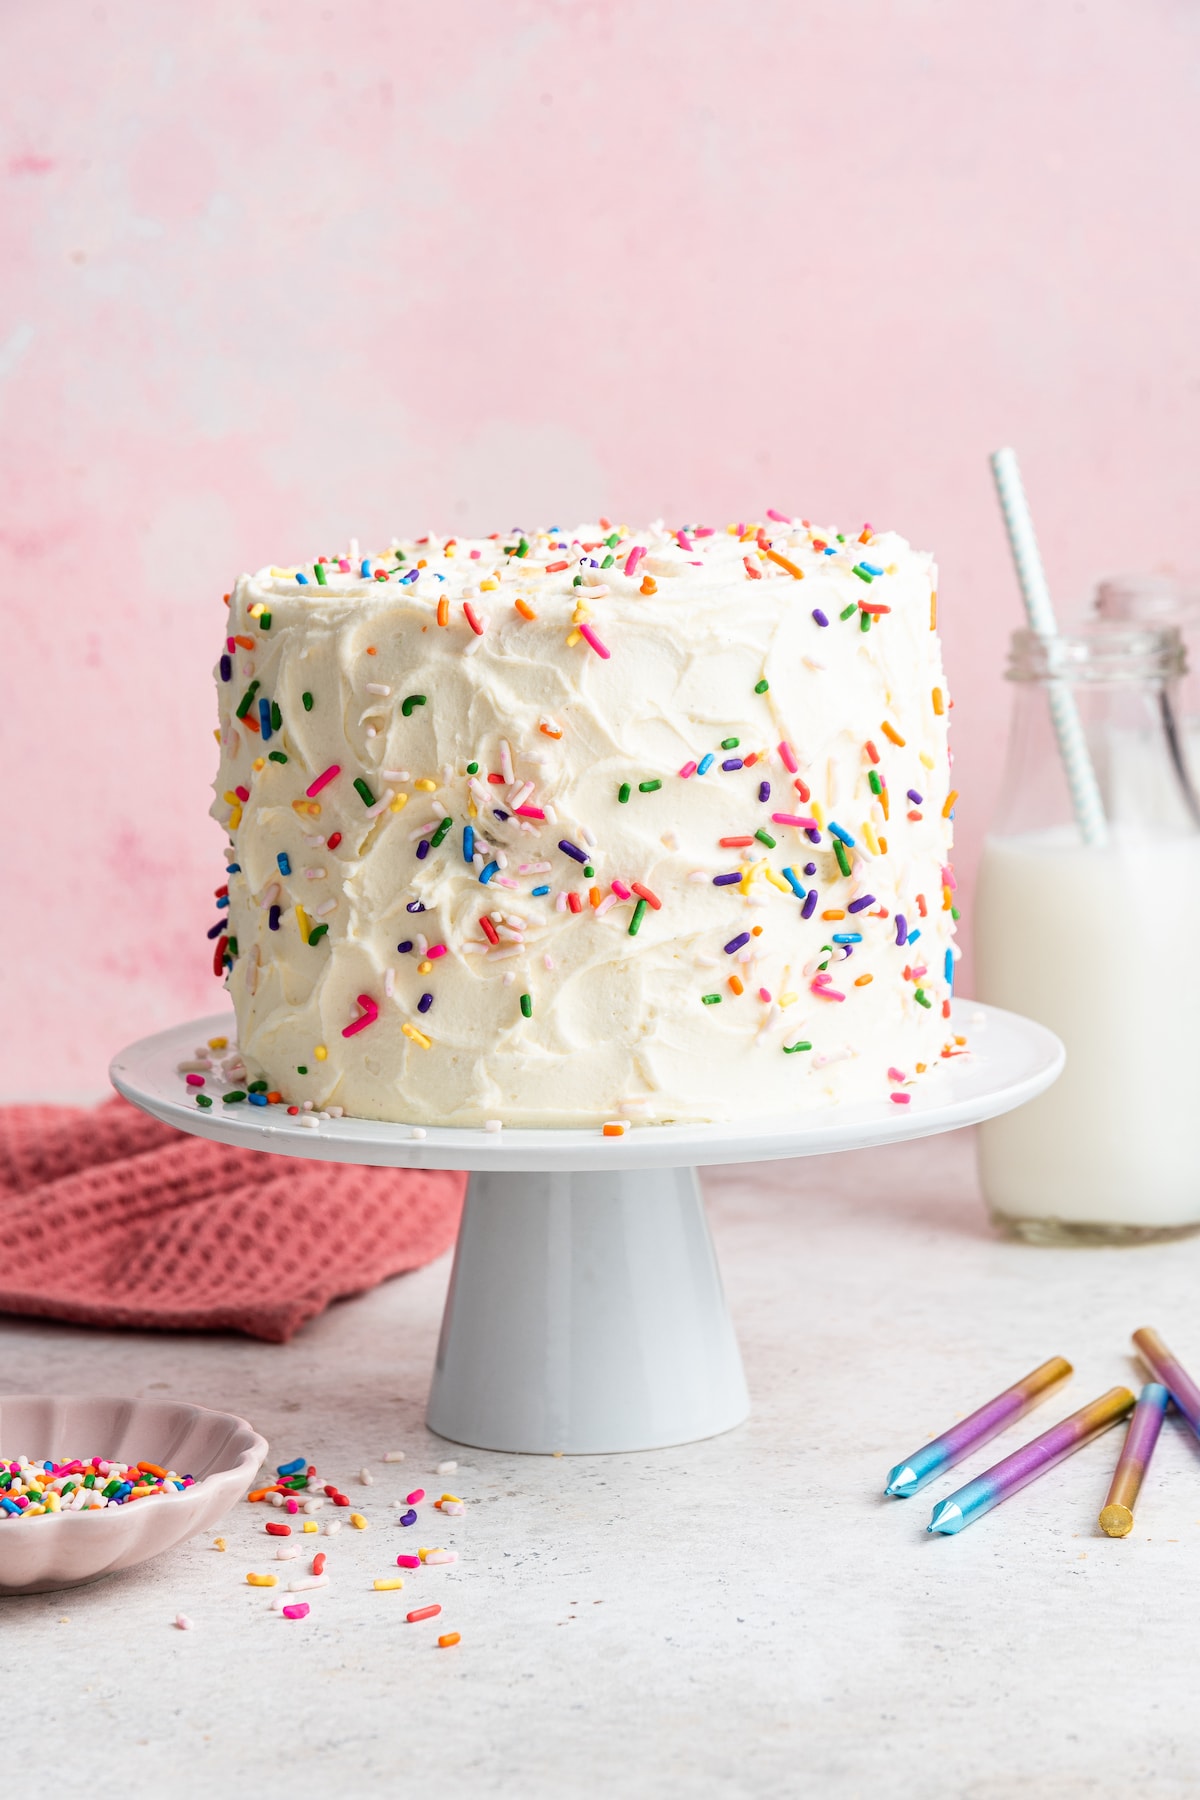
(32, 1489)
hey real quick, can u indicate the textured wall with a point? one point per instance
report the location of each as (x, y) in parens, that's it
(275, 275)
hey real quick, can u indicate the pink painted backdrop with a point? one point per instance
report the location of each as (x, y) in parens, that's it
(275, 275)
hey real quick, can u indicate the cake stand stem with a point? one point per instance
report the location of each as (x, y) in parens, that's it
(585, 1314)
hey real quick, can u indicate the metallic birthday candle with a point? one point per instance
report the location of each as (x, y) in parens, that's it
(1171, 1372)
(911, 1475)
(1031, 1460)
(1116, 1517)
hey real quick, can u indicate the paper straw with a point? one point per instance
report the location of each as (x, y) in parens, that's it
(1039, 610)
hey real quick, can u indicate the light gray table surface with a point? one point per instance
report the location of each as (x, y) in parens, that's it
(746, 1616)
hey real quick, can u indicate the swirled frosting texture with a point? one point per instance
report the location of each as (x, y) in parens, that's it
(517, 862)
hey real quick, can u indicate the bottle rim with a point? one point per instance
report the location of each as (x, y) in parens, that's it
(1157, 598)
(1101, 651)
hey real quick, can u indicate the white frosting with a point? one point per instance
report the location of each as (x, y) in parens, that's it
(618, 1027)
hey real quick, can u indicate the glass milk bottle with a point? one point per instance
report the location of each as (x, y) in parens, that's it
(1099, 941)
(1164, 599)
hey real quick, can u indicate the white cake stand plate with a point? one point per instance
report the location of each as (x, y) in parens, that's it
(585, 1310)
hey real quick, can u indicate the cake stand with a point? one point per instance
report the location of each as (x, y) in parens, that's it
(585, 1311)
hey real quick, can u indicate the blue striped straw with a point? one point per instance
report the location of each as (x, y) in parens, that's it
(1039, 610)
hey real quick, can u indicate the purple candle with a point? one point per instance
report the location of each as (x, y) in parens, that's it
(1031, 1460)
(980, 1427)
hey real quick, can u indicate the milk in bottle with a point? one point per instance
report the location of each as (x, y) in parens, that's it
(1100, 942)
